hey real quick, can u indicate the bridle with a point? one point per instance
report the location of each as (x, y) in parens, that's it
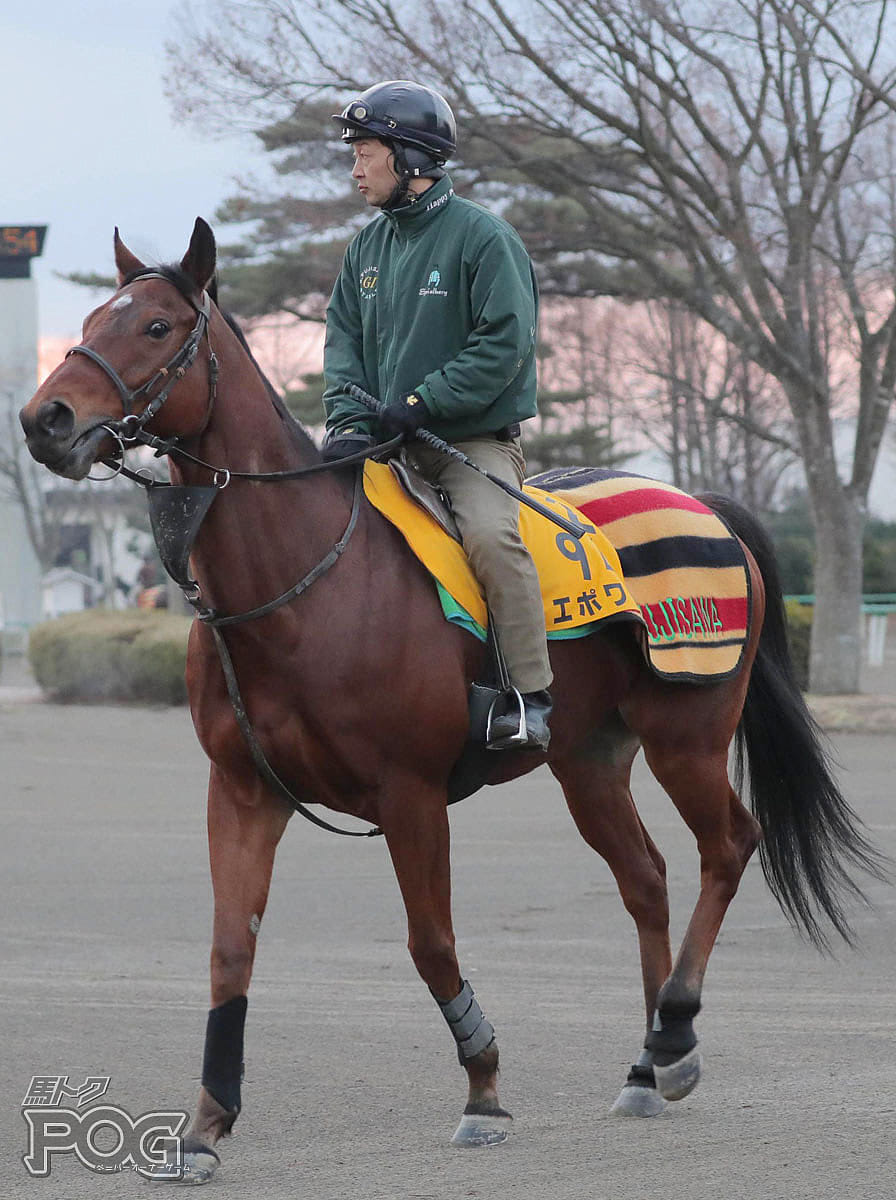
(131, 429)
(177, 511)
(128, 429)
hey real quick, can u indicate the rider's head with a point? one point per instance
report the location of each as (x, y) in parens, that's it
(414, 122)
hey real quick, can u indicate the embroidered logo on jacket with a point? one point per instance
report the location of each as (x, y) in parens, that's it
(432, 284)
(369, 279)
(441, 200)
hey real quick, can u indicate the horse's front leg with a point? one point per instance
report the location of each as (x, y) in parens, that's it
(417, 833)
(245, 825)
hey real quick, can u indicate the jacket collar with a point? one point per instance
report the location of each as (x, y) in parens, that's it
(412, 217)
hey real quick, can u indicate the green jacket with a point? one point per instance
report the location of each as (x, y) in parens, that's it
(438, 298)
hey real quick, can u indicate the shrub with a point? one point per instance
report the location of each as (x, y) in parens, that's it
(107, 655)
(799, 631)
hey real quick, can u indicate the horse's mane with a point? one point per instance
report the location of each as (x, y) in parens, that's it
(187, 288)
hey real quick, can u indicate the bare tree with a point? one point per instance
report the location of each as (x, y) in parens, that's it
(583, 418)
(732, 155)
(719, 422)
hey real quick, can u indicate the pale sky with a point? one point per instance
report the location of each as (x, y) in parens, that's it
(88, 142)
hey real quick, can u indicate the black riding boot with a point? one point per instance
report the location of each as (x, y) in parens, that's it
(504, 728)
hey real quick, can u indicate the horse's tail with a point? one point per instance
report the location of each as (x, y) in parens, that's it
(812, 840)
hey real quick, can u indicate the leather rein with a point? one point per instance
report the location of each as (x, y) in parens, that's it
(177, 511)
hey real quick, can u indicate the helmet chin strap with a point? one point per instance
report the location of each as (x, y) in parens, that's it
(399, 194)
(427, 170)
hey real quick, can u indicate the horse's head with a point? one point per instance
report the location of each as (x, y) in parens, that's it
(133, 359)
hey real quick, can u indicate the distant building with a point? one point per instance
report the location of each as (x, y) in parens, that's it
(20, 595)
(64, 590)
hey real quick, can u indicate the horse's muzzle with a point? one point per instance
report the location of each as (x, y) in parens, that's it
(53, 439)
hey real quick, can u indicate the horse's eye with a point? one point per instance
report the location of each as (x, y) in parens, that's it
(159, 329)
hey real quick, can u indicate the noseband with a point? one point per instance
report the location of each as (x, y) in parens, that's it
(165, 378)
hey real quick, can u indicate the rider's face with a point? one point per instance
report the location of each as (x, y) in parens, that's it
(373, 171)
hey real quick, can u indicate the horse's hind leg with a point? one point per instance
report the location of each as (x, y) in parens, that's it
(245, 825)
(696, 779)
(595, 782)
(417, 833)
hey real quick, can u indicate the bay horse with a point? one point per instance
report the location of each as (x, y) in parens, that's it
(331, 680)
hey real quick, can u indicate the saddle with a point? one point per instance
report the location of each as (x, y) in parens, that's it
(430, 498)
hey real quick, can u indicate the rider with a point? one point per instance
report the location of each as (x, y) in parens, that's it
(434, 311)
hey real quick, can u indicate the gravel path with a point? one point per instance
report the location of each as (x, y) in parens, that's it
(352, 1090)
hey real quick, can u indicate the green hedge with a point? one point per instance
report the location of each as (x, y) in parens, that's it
(799, 631)
(107, 655)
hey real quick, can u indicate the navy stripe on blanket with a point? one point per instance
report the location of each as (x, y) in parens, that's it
(646, 558)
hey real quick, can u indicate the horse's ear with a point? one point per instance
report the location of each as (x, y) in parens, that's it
(199, 260)
(125, 261)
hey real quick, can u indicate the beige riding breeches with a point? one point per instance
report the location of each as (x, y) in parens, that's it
(488, 520)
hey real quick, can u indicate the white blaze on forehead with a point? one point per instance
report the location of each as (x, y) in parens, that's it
(122, 301)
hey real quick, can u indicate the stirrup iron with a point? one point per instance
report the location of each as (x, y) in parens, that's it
(511, 700)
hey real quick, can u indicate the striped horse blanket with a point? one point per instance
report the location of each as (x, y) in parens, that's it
(680, 561)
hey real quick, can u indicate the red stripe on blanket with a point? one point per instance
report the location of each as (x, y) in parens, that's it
(675, 619)
(639, 500)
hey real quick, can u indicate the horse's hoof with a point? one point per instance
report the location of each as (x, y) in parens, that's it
(197, 1164)
(679, 1078)
(635, 1101)
(482, 1129)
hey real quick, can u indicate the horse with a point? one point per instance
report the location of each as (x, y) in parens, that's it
(338, 706)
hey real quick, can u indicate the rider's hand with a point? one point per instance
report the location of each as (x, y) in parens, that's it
(342, 443)
(405, 416)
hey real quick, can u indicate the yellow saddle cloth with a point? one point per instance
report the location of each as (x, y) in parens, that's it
(581, 580)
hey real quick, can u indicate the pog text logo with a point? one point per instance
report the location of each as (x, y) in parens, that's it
(103, 1137)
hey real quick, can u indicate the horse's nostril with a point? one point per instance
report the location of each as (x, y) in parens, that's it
(55, 419)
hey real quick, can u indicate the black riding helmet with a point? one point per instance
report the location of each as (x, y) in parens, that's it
(414, 120)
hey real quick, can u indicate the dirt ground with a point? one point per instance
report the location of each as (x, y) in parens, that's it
(352, 1089)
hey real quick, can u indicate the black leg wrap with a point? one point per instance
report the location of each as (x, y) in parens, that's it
(672, 1036)
(471, 1031)
(222, 1062)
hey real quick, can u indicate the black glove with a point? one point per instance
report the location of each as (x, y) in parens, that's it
(341, 443)
(405, 416)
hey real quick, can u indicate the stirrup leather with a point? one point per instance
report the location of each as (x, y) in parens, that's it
(508, 702)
